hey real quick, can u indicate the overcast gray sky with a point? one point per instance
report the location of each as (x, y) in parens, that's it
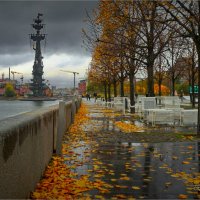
(64, 21)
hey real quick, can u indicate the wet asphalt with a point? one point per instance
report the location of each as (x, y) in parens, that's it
(131, 164)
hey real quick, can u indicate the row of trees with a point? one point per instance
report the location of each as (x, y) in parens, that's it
(157, 39)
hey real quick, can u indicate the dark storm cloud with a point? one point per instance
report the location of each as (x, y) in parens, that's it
(63, 19)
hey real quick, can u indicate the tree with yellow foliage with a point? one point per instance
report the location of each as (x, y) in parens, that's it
(117, 39)
(9, 90)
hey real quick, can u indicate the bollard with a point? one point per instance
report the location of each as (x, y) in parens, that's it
(73, 109)
(124, 105)
(61, 127)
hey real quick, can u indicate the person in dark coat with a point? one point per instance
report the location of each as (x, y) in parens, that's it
(95, 96)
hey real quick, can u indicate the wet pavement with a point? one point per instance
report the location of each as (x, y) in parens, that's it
(144, 170)
(166, 170)
(128, 165)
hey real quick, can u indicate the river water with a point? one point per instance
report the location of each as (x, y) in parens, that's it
(12, 108)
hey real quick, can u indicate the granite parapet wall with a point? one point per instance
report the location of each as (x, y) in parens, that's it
(27, 143)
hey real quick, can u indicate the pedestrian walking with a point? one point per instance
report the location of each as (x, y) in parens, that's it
(87, 96)
(181, 95)
(95, 96)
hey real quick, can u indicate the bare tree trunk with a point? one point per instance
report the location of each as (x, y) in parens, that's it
(105, 91)
(173, 85)
(191, 93)
(198, 121)
(159, 87)
(150, 87)
(193, 77)
(173, 78)
(198, 53)
(132, 92)
(109, 92)
(115, 87)
(192, 85)
(122, 86)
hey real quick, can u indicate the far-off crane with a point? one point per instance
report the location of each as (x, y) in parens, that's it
(74, 76)
(13, 73)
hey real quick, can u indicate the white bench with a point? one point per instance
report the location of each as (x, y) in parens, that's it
(101, 102)
(171, 102)
(138, 104)
(147, 103)
(119, 103)
(177, 114)
(159, 116)
(189, 117)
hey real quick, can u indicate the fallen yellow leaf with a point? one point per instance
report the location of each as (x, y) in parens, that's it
(125, 178)
(185, 162)
(182, 196)
(121, 196)
(135, 188)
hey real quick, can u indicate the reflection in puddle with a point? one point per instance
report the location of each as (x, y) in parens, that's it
(141, 170)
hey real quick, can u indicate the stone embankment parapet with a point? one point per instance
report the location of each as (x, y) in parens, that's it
(27, 143)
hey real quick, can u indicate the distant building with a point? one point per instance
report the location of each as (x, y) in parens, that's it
(3, 83)
(82, 87)
(19, 88)
(2, 87)
(62, 92)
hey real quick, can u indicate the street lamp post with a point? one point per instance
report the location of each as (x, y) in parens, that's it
(74, 80)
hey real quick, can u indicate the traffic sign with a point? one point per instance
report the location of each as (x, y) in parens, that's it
(196, 89)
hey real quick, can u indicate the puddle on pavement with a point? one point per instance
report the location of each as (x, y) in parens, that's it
(141, 170)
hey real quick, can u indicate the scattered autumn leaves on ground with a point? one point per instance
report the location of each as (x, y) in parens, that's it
(80, 175)
(125, 127)
(58, 180)
(128, 127)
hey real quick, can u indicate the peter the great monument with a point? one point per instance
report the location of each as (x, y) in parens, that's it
(37, 82)
(37, 85)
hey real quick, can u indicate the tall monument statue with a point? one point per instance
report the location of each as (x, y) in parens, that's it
(37, 85)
